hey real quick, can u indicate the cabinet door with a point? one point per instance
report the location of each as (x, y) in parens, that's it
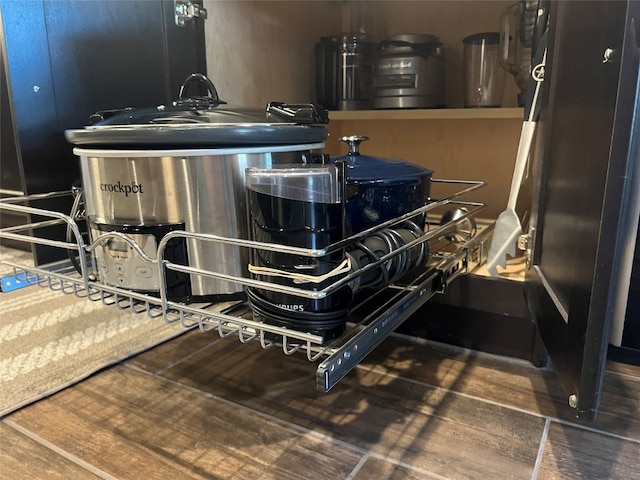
(586, 154)
(68, 59)
(83, 57)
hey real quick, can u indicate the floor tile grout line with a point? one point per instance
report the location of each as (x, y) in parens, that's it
(595, 430)
(60, 451)
(498, 404)
(439, 346)
(541, 447)
(407, 466)
(358, 467)
(462, 394)
(394, 462)
(299, 428)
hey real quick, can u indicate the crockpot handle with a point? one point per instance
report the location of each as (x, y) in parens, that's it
(300, 113)
(212, 100)
(354, 141)
(102, 115)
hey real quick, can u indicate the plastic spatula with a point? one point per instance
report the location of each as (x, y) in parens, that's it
(508, 228)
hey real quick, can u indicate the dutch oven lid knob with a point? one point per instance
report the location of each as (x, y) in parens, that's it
(354, 141)
(212, 100)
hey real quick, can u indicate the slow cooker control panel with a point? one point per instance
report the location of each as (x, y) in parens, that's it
(119, 265)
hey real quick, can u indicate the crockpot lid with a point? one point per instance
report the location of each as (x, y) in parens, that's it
(204, 121)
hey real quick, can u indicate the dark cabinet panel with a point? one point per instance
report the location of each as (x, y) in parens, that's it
(11, 175)
(583, 161)
(68, 59)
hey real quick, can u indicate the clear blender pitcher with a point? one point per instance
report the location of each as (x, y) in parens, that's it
(516, 36)
(483, 75)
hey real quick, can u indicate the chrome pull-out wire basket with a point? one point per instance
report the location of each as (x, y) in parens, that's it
(455, 249)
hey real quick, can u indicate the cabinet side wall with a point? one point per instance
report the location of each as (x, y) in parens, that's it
(261, 51)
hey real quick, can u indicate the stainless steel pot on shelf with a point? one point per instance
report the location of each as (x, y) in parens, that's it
(181, 167)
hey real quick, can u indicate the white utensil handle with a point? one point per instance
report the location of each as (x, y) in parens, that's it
(524, 148)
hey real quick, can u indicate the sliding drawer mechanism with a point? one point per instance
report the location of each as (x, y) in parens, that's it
(456, 245)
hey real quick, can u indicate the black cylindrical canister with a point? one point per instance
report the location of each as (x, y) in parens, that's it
(301, 207)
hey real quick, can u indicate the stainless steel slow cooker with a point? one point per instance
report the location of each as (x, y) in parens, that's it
(409, 72)
(182, 167)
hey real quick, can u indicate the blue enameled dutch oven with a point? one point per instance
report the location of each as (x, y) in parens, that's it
(379, 189)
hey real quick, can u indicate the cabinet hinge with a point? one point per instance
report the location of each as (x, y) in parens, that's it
(187, 11)
(525, 243)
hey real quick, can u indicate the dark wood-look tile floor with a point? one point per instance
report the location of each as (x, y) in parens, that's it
(201, 407)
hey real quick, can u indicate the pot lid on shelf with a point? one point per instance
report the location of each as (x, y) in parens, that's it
(204, 121)
(363, 169)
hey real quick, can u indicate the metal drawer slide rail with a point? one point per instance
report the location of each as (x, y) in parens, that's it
(371, 319)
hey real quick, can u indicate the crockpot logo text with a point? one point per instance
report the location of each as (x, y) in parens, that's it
(122, 188)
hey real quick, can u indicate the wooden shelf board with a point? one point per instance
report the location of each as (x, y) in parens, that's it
(428, 114)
